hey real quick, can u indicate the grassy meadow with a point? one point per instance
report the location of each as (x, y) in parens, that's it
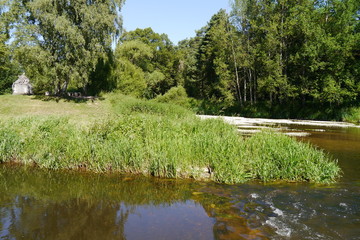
(127, 135)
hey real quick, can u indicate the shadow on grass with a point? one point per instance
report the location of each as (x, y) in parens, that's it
(82, 99)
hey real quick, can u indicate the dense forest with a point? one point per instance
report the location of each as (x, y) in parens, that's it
(273, 53)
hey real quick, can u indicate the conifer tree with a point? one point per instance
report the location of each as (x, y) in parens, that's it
(217, 81)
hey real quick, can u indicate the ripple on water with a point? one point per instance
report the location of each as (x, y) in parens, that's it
(281, 228)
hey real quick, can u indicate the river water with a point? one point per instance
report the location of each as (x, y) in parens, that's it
(40, 204)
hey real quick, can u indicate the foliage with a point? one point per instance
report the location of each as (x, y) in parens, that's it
(8, 69)
(126, 105)
(303, 50)
(150, 57)
(59, 43)
(217, 80)
(176, 95)
(262, 56)
(351, 114)
(279, 52)
(163, 140)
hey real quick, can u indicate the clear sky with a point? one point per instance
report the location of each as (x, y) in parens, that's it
(177, 18)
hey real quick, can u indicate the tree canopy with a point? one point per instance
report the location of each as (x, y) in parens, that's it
(271, 52)
(277, 51)
(59, 43)
(145, 61)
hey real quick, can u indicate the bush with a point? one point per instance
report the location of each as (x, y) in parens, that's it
(127, 105)
(176, 95)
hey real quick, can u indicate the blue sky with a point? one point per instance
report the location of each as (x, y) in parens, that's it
(177, 18)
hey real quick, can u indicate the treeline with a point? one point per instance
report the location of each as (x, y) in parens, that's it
(278, 52)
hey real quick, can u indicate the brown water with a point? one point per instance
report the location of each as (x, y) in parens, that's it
(38, 204)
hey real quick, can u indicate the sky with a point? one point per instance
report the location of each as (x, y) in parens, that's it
(179, 19)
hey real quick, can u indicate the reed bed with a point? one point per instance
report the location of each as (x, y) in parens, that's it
(162, 140)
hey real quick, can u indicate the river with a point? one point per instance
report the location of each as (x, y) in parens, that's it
(40, 204)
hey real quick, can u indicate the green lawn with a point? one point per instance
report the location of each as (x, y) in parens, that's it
(15, 106)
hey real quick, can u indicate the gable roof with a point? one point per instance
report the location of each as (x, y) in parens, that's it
(22, 80)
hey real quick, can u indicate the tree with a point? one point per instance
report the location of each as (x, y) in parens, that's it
(161, 75)
(8, 69)
(188, 72)
(217, 79)
(59, 43)
(323, 57)
(152, 59)
(5, 82)
(298, 49)
(132, 61)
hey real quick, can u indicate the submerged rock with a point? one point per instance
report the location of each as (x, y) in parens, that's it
(199, 173)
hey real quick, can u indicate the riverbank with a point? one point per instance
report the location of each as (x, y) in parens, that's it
(243, 122)
(295, 110)
(249, 126)
(128, 135)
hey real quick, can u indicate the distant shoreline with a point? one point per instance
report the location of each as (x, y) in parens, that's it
(242, 121)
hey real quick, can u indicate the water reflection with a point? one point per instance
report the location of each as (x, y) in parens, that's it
(27, 218)
(186, 220)
(342, 144)
(39, 204)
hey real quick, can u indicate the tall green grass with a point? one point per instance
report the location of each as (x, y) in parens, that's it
(276, 156)
(351, 114)
(162, 140)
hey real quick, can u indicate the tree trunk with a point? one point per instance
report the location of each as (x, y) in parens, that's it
(64, 88)
(245, 87)
(251, 87)
(238, 90)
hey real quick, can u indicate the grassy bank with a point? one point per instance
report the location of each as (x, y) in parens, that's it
(149, 138)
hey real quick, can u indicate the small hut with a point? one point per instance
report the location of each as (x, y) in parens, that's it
(22, 86)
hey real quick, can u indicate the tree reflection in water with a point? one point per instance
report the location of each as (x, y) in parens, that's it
(38, 204)
(73, 219)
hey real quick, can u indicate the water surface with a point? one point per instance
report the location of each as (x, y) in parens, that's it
(40, 204)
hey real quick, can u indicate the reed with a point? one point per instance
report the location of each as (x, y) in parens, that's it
(162, 140)
(351, 114)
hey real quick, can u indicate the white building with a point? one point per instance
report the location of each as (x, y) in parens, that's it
(22, 86)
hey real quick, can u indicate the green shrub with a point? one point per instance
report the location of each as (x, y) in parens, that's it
(126, 105)
(351, 114)
(176, 95)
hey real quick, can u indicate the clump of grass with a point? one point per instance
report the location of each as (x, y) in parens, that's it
(279, 157)
(161, 140)
(351, 114)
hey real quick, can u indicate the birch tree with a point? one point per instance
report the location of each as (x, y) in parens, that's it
(60, 42)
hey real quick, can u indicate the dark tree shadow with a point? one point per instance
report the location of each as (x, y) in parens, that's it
(81, 99)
